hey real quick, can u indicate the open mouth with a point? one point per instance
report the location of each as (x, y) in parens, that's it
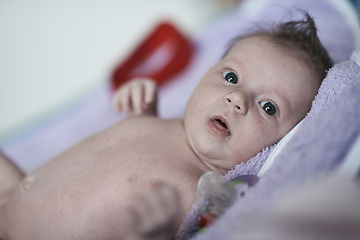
(219, 126)
(222, 123)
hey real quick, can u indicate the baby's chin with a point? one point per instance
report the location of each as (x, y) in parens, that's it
(216, 166)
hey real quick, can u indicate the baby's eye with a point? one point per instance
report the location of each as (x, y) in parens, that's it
(230, 77)
(268, 107)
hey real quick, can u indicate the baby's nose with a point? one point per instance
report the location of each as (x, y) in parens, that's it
(237, 101)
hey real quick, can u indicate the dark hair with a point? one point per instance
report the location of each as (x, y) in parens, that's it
(302, 37)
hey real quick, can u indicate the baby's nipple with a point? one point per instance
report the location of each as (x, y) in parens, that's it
(27, 183)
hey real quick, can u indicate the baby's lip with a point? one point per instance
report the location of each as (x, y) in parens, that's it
(219, 125)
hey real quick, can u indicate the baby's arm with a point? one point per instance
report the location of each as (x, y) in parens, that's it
(10, 177)
(138, 96)
(155, 214)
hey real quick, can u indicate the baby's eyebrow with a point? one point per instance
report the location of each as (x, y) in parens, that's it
(234, 64)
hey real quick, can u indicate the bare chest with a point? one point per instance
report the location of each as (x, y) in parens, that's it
(129, 157)
(101, 175)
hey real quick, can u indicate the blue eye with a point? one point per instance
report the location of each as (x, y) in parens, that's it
(230, 77)
(268, 107)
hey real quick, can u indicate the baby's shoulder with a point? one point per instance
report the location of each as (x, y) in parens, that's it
(151, 124)
(139, 121)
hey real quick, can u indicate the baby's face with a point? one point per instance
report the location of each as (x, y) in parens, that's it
(247, 101)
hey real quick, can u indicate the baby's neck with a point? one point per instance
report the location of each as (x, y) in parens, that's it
(191, 155)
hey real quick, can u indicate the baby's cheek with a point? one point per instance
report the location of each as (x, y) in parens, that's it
(194, 105)
(247, 147)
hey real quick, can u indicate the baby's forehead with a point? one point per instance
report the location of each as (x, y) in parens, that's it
(256, 42)
(245, 41)
(264, 43)
(258, 46)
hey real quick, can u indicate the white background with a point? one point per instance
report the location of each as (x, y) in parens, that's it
(53, 51)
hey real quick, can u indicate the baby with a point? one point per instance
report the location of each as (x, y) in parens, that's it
(249, 100)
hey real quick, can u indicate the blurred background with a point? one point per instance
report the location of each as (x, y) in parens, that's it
(52, 51)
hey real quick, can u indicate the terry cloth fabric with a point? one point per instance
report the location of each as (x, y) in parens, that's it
(319, 146)
(327, 208)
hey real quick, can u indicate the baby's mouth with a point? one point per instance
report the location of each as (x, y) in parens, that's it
(220, 126)
(222, 123)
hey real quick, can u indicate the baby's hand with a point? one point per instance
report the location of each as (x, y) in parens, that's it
(154, 215)
(138, 96)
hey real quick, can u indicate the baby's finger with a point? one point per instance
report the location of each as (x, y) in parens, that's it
(150, 91)
(116, 102)
(137, 97)
(125, 99)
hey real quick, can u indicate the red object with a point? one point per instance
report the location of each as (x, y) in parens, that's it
(165, 35)
(206, 220)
